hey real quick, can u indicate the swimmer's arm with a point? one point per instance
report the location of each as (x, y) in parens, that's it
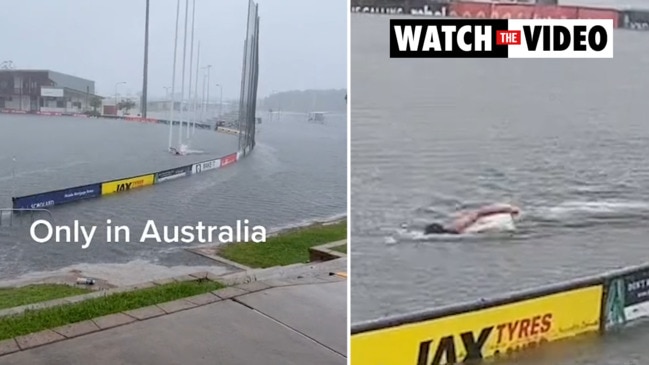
(464, 221)
(496, 209)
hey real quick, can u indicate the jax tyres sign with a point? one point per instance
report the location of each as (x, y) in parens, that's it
(173, 174)
(483, 333)
(197, 168)
(635, 19)
(229, 159)
(627, 298)
(501, 38)
(48, 199)
(118, 186)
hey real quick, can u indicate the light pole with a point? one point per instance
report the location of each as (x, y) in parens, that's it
(203, 87)
(191, 65)
(116, 85)
(143, 102)
(279, 103)
(206, 89)
(207, 111)
(182, 79)
(220, 101)
(173, 77)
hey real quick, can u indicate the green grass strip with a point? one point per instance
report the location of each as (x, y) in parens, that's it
(341, 249)
(15, 297)
(41, 319)
(287, 248)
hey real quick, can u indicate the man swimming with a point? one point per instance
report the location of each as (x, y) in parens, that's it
(461, 224)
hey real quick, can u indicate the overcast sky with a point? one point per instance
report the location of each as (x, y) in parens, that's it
(302, 42)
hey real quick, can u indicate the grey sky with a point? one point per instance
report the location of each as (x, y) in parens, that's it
(303, 43)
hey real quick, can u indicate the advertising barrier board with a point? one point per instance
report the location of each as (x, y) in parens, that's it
(381, 7)
(595, 13)
(197, 168)
(635, 19)
(512, 11)
(118, 186)
(627, 298)
(483, 333)
(229, 159)
(396, 7)
(172, 174)
(51, 198)
(470, 10)
(555, 12)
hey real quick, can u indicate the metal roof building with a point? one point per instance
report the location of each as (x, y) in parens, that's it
(44, 91)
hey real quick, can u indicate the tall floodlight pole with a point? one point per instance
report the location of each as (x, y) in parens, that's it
(182, 78)
(207, 105)
(203, 97)
(220, 100)
(143, 102)
(195, 103)
(173, 76)
(191, 64)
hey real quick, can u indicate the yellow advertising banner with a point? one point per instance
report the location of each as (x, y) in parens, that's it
(481, 334)
(118, 186)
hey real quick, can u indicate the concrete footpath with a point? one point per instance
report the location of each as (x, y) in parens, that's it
(302, 321)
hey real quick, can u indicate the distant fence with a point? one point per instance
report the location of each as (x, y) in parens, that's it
(506, 324)
(627, 19)
(125, 117)
(635, 19)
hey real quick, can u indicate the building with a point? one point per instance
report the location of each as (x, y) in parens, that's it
(45, 91)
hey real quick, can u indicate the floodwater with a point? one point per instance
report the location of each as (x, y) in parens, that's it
(296, 174)
(566, 140)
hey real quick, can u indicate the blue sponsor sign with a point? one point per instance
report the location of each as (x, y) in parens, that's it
(51, 198)
(172, 174)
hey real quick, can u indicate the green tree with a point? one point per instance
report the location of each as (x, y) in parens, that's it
(126, 105)
(95, 103)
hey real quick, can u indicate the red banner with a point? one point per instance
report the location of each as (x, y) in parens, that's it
(13, 111)
(512, 11)
(594, 13)
(229, 159)
(140, 119)
(470, 10)
(555, 12)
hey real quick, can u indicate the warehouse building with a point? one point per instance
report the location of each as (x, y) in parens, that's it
(45, 91)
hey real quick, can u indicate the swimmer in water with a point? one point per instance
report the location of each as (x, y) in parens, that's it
(174, 151)
(465, 221)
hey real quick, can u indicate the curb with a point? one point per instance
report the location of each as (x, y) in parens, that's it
(284, 273)
(201, 251)
(73, 330)
(103, 293)
(232, 279)
(325, 252)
